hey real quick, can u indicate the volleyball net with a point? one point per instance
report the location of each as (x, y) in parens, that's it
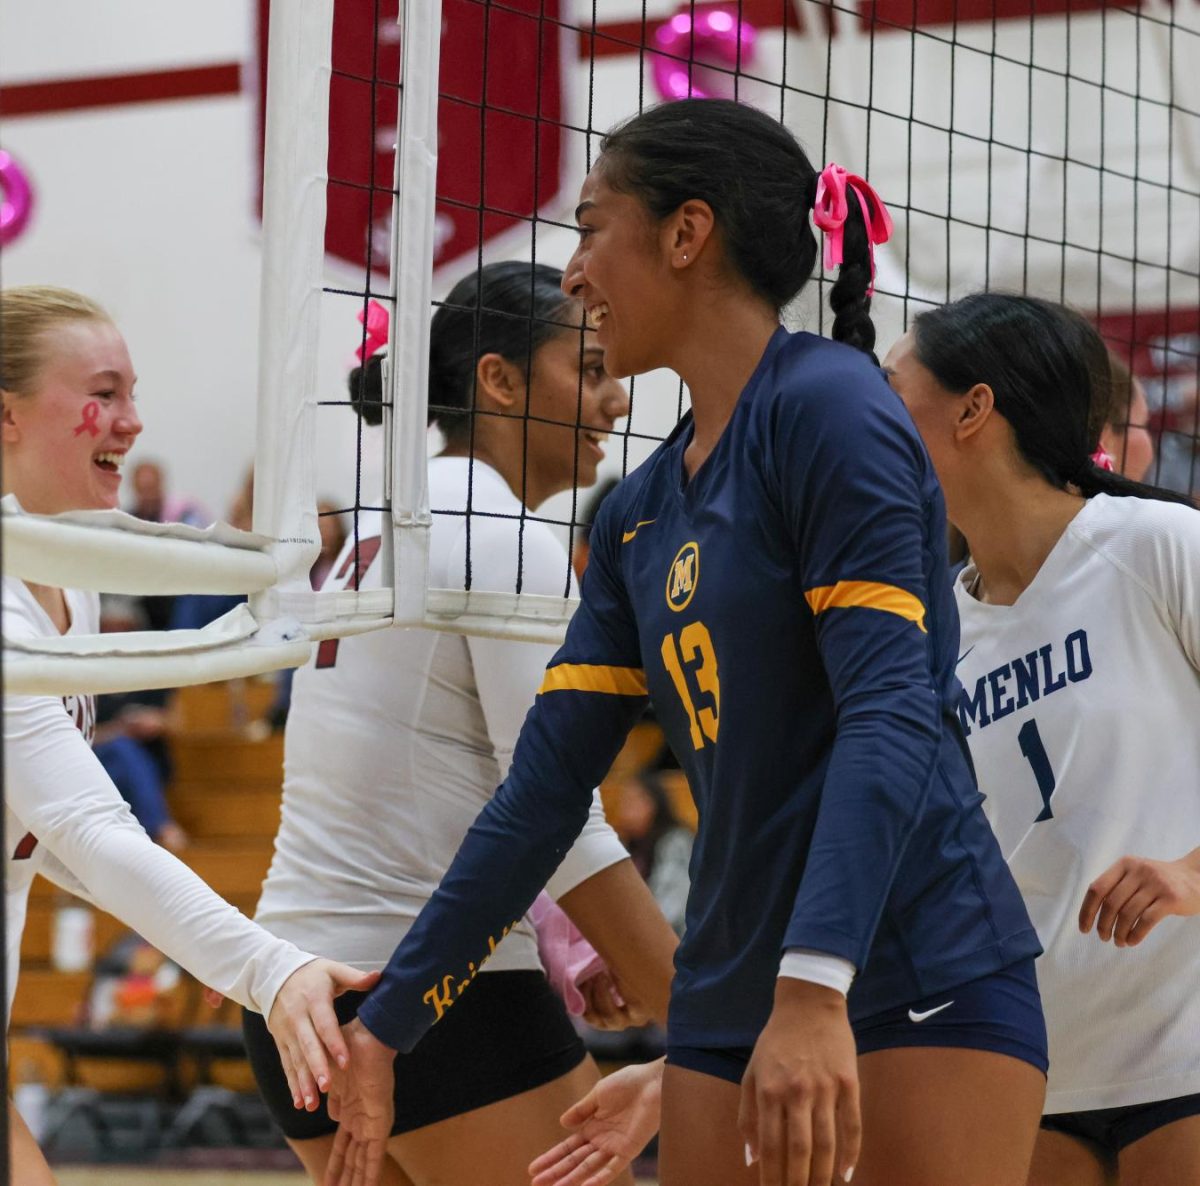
(1041, 146)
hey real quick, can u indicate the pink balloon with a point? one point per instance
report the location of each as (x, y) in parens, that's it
(715, 41)
(17, 205)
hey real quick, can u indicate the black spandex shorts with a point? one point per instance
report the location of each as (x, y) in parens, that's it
(1115, 1128)
(507, 1034)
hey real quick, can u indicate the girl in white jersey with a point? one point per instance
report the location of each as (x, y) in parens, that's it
(1080, 662)
(68, 421)
(396, 740)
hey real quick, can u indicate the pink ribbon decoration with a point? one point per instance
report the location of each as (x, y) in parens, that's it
(375, 319)
(91, 413)
(1102, 460)
(17, 205)
(717, 38)
(832, 207)
(569, 959)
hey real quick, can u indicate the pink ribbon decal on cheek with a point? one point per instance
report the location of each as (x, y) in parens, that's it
(91, 413)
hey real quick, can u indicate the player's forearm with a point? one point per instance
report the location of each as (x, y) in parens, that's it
(501, 866)
(619, 917)
(876, 787)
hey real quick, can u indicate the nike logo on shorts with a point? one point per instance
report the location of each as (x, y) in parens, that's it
(913, 1015)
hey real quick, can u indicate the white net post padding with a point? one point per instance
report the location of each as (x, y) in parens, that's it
(294, 186)
(112, 552)
(407, 374)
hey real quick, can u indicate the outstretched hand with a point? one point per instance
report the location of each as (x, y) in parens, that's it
(305, 1027)
(362, 1101)
(610, 1126)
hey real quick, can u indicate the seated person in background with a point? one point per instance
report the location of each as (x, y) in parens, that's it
(131, 738)
(659, 844)
(1121, 422)
(580, 547)
(152, 503)
(193, 611)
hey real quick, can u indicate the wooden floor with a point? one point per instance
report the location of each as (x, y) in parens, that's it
(110, 1176)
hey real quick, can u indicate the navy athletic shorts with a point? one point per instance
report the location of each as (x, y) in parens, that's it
(1115, 1128)
(1001, 1012)
(507, 1034)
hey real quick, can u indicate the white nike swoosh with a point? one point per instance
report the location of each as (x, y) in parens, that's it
(914, 1016)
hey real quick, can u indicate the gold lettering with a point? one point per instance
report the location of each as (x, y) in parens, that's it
(682, 575)
(441, 1000)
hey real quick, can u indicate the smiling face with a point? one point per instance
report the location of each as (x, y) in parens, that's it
(66, 438)
(573, 404)
(621, 271)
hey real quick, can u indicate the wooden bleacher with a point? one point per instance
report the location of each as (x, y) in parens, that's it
(226, 795)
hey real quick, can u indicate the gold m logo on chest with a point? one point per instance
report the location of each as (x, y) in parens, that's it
(683, 576)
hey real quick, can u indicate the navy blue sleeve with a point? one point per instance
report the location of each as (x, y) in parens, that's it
(858, 494)
(592, 693)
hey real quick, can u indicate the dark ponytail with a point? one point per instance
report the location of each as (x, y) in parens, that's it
(761, 186)
(1048, 369)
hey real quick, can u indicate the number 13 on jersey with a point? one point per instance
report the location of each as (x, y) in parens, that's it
(693, 656)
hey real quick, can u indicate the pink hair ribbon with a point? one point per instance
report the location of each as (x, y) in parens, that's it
(1101, 460)
(831, 208)
(375, 320)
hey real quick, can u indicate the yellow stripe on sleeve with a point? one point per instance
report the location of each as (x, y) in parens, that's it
(593, 677)
(867, 595)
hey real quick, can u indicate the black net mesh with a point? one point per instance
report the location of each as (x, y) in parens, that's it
(1046, 148)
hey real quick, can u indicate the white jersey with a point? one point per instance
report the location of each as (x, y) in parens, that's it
(1082, 711)
(397, 739)
(65, 819)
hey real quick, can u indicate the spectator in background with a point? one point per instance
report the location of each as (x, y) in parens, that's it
(192, 611)
(152, 503)
(580, 547)
(1122, 422)
(659, 845)
(131, 738)
(1178, 421)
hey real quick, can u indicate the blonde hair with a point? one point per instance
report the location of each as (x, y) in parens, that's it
(26, 315)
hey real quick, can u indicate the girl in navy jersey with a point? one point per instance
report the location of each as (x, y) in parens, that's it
(69, 419)
(854, 993)
(1080, 664)
(396, 740)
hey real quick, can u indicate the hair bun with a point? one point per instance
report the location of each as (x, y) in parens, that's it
(366, 390)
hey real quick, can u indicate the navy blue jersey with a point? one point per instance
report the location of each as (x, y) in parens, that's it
(787, 611)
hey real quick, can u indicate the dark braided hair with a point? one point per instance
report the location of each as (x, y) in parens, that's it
(1048, 369)
(761, 186)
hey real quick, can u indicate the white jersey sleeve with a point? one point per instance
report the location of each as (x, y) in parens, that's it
(1160, 549)
(507, 675)
(59, 792)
